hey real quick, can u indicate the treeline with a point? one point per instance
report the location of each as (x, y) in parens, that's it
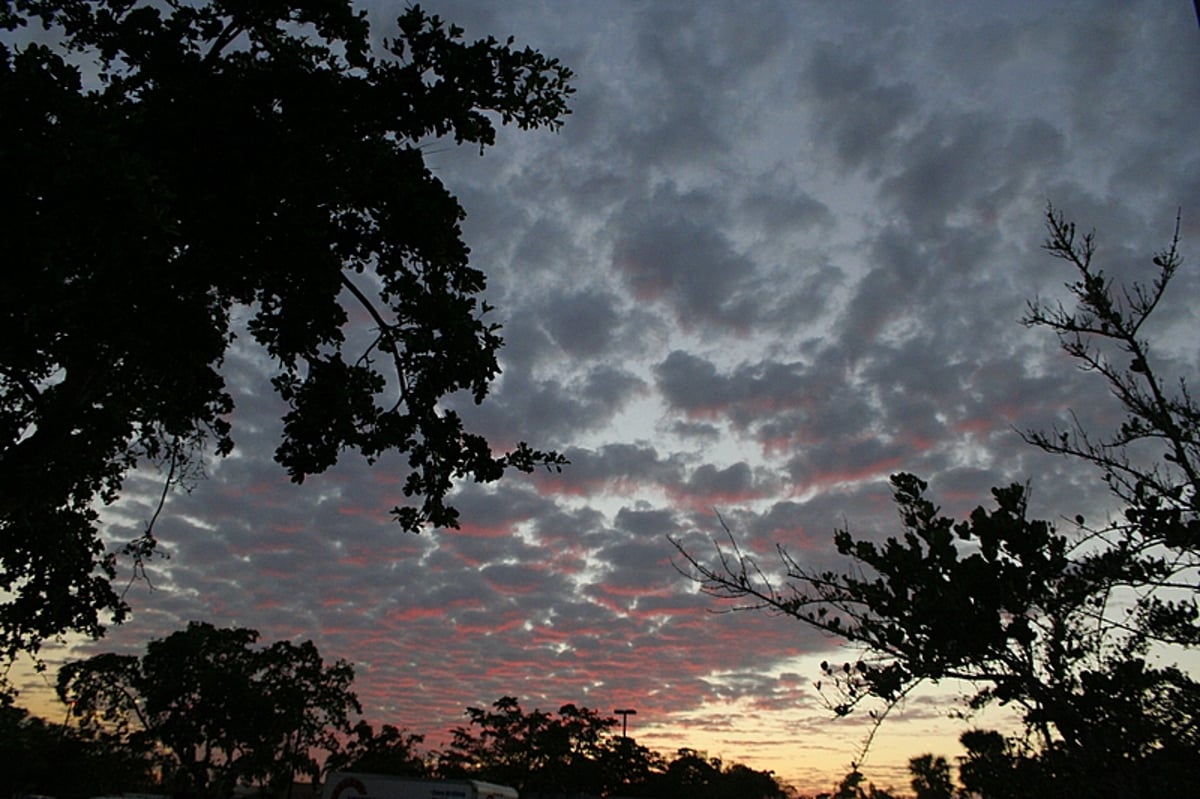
(577, 752)
(208, 711)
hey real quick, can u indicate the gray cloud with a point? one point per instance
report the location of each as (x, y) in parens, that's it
(777, 254)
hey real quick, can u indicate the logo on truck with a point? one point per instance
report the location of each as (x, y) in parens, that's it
(346, 785)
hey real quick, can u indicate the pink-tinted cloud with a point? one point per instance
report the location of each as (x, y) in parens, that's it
(770, 260)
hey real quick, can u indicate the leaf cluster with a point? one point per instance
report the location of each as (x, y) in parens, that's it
(171, 167)
(989, 599)
(40, 756)
(576, 752)
(1075, 629)
(223, 710)
(534, 751)
(391, 751)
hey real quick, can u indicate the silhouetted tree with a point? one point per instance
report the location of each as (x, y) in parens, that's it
(39, 757)
(167, 164)
(739, 780)
(390, 751)
(694, 775)
(1058, 625)
(998, 768)
(931, 777)
(535, 752)
(627, 768)
(226, 711)
(576, 753)
(855, 786)
(690, 773)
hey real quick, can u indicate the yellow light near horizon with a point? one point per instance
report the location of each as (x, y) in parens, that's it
(804, 745)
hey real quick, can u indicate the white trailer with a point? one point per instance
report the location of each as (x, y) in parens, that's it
(353, 785)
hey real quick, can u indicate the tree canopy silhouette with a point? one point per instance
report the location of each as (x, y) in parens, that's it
(931, 777)
(577, 753)
(226, 711)
(1077, 629)
(391, 751)
(207, 710)
(41, 757)
(534, 751)
(166, 164)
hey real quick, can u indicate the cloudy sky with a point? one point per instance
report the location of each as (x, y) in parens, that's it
(779, 251)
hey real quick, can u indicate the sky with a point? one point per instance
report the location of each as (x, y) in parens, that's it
(778, 252)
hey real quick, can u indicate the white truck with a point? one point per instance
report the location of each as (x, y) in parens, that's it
(353, 785)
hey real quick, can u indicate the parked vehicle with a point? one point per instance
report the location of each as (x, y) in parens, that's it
(352, 785)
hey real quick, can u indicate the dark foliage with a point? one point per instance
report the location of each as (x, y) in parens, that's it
(390, 751)
(204, 709)
(536, 752)
(169, 165)
(223, 710)
(855, 786)
(37, 756)
(692, 774)
(577, 753)
(931, 778)
(1076, 629)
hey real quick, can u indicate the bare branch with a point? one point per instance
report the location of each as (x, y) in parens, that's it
(385, 340)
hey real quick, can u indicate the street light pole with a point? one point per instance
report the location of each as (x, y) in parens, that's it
(625, 713)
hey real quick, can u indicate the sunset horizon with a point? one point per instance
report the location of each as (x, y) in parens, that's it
(777, 253)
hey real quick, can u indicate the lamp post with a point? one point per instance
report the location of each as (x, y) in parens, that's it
(625, 713)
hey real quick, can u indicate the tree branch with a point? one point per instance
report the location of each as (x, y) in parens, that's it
(385, 340)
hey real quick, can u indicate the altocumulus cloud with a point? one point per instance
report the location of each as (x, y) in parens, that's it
(779, 251)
